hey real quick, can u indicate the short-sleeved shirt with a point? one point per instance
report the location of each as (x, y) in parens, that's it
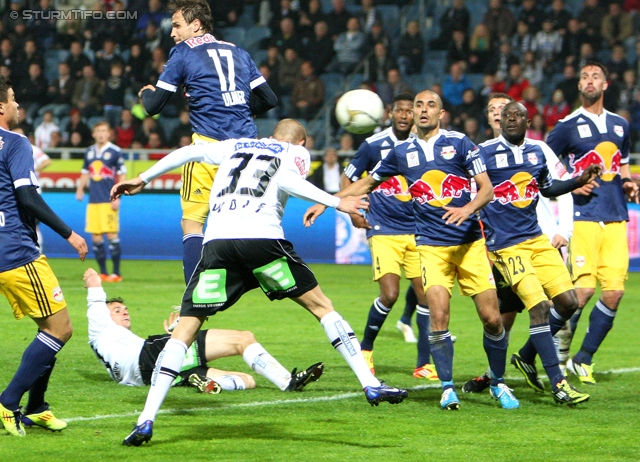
(390, 207)
(582, 139)
(517, 173)
(103, 167)
(438, 173)
(18, 241)
(215, 74)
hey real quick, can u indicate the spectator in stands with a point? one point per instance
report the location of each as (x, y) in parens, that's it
(154, 37)
(24, 122)
(319, 49)
(634, 110)
(559, 16)
(105, 58)
(309, 17)
(8, 18)
(121, 27)
(272, 80)
(60, 91)
(488, 84)
(471, 128)
(514, 84)
(27, 56)
(532, 15)
(307, 96)
(155, 65)
(531, 100)
(183, 128)
(348, 47)
(77, 59)
(556, 109)
(458, 50)
(569, 85)
(616, 25)
(114, 92)
(378, 64)
(500, 21)
(538, 129)
(532, 69)
(471, 107)
(455, 17)
(154, 14)
(587, 53)
(617, 63)
(69, 30)
(285, 37)
(155, 142)
(226, 13)
(55, 140)
(571, 41)
(590, 18)
(628, 89)
(44, 22)
(337, 19)
(523, 40)
(636, 63)
(88, 93)
(376, 35)
(455, 84)
(327, 175)
(185, 140)
(548, 43)
(393, 86)
(7, 53)
(500, 63)
(411, 49)
(368, 16)
(135, 69)
(126, 130)
(75, 141)
(32, 91)
(480, 49)
(288, 71)
(284, 10)
(76, 124)
(347, 144)
(149, 126)
(20, 34)
(44, 130)
(95, 28)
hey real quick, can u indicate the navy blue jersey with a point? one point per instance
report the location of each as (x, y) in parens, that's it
(18, 241)
(218, 75)
(438, 173)
(103, 167)
(582, 139)
(517, 173)
(390, 207)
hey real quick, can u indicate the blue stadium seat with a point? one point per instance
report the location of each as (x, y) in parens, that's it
(390, 19)
(265, 127)
(332, 84)
(254, 35)
(94, 120)
(355, 81)
(235, 35)
(246, 19)
(476, 80)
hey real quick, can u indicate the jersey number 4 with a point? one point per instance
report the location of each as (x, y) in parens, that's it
(263, 176)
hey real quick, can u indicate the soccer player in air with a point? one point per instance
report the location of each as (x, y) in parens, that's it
(25, 276)
(534, 269)
(130, 359)
(437, 166)
(224, 90)
(598, 250)
(254, 181)
(102, 168)
(391, 231)
(558, 233)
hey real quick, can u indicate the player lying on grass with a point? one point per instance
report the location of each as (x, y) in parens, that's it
(130, 359)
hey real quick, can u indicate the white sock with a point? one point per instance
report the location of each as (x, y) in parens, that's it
(343, 339)
(266, 365)
(231, 382)
(167, 368)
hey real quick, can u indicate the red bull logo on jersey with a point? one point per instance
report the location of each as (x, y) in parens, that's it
(201, 40)
(605, 154)
(520, 190)
(438, 188)
(395, 187)
(98, 171)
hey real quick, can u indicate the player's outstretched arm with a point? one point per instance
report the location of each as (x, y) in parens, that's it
(312, 214)
(91, 278)
(628, 185)
(127, 188)
(559, 187)
(458, 215)
(353, 204)
(78, 243)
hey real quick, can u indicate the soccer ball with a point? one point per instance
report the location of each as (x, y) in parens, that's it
(359, 111)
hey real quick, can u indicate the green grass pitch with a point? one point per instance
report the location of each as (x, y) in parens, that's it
(331, 419)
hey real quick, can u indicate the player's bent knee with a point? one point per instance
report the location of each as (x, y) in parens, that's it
(246, 338)
(539, 314)
(612, 298)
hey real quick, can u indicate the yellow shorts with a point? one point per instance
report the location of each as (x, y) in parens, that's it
(599, 252)
(102, 219)
(534, 269)
(197, 179)
(32, 290)
(439, 266)
(391, 253)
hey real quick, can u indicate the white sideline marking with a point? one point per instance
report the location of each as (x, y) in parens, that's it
(291, 401)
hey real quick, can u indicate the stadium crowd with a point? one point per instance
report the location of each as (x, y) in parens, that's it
(69, 72)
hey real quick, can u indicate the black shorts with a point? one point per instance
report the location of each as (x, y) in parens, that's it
(230, 267)
(508, 300)
(154, 345)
